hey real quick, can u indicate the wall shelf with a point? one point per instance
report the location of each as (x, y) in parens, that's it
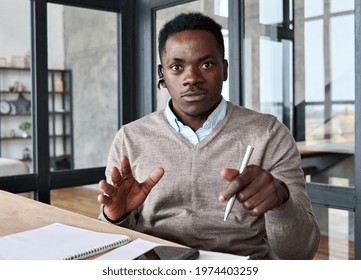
(60, 115)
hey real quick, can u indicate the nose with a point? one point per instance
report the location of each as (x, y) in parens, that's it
(192, 76)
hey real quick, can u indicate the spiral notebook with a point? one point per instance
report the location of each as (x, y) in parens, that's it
(58, 242)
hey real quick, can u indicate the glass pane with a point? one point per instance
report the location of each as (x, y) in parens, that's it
(217, 9)
(268, 69)
(337, 234)
(221, 8)
(15, 88)
(271, 77)
(315, 119)
(340, 6)
(314, 61)
(270, 11)
(82, 51)
(329, 80)
(343, 123)
(342, 55)
(329, 95)
(313, 8)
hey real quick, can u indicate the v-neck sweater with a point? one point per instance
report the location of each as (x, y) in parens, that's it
(183, 207)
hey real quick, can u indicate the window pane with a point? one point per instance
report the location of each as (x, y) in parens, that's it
(267, 67)
(342, 54)
(313, 8)
(16, 141)
(340, 6)
(343, 123)
(330, 74)
(337, 242)
(314, 61)
(315, 123)
(217, 9)
(271, 77)
(83, 95)
(270, 11)
(221, 8)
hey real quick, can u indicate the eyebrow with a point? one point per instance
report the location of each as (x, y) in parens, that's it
(177, 59)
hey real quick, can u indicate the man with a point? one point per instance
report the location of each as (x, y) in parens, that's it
(169, 174)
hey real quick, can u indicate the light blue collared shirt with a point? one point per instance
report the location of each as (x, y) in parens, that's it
(195, 137)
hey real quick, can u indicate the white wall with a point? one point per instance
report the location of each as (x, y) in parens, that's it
(15, 36)
(15, 40)
(14, 28)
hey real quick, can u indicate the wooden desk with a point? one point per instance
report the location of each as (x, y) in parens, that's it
(18, 213)
(318, 157)
(326, 146)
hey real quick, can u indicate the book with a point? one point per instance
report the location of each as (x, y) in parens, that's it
(58, 242)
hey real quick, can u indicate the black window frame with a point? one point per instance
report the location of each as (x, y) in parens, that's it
(42, 181)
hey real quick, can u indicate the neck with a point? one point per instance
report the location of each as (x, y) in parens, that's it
(195, 121)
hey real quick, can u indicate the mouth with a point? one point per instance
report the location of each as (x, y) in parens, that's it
(192, 96)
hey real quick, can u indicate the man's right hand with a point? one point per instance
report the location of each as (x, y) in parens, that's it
(125, 194)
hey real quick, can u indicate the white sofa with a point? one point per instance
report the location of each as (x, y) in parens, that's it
(9, 167)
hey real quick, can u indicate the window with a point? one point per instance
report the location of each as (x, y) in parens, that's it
(268, 58)
(16, 124)
(83, 43)
(329, 72)
(299, 66)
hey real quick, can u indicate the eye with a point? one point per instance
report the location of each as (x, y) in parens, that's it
(176, 67)
(207, 65)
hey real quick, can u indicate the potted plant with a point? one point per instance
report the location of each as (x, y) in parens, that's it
(24, 127)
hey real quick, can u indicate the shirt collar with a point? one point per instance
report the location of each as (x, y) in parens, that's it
(213, 119)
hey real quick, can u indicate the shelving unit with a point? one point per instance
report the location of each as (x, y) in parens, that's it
(14, 90)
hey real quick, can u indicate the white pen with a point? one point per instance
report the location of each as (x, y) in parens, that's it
(246, 158)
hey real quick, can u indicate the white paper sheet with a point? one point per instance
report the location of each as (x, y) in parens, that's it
(57, 241)
(137, 247)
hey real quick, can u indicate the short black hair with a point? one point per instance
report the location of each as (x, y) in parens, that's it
(190, 21)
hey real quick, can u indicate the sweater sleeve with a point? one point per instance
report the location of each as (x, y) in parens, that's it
(292, 229)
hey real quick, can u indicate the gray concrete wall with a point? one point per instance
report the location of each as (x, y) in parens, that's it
(90, 52)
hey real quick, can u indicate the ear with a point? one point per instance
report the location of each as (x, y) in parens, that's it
(225, 70)
(161, 81)
(160, 71)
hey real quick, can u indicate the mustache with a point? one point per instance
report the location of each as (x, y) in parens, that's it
(193, 90)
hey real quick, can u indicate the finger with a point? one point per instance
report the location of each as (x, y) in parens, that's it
(232, 188)
(263, 207)
(126, 169)
(248, 174)
(262, 201)
(116, 176)
(266, 199)
(253, 201)
(107, 188)
(229, 174)
(105, 200)
(153, 179)
(237, 184)
(259, 182)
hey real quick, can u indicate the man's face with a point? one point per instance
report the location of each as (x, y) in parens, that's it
(194, 71)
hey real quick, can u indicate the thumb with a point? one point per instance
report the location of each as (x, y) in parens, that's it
(153, 178)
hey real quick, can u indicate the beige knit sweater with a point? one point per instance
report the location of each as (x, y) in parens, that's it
(183, 207)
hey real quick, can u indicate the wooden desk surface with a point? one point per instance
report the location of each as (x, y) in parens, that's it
(18, 213)
(326, 147)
